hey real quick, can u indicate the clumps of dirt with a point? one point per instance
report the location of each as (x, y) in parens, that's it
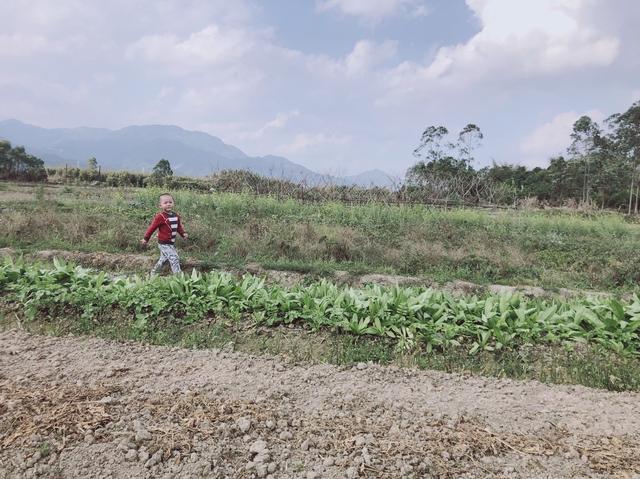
(84, 407)
(390, 280)
(194, 434)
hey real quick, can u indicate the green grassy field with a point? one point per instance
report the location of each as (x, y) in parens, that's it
(551, 249)
(587, 341)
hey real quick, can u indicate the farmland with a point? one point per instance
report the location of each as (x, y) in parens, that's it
(589, 337)
(550, 249)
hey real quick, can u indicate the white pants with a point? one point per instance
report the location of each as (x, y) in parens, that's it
(168, 253)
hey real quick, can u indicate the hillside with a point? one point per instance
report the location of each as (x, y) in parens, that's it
(138, 148)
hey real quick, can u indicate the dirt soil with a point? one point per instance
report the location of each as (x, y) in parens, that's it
(86, 407)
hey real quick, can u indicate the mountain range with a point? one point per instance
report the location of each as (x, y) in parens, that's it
(139, 148)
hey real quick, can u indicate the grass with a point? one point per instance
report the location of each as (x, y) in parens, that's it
(551, 249)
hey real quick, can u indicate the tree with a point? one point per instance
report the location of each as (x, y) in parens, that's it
(5, 162)
(468, 140)
(444, 170)
(16, 163)
(585, 142)
(625, 140)
(162, 169)
(92, 165)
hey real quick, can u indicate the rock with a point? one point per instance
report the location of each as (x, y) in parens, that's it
(126, 445)
(155, 459)
(131, 455)
(313, 475)
(394, 430)
(243, 424)
(35, 458)
(270, 425)
(351, 473)
(261, 470)
(305, 445)
(285, 435)
(142, 435)
(89, 438)
(258, 447)
(272, 467)
(459, 450)
(143, 456)
(361, 366)
(254, 268)
(328, 461)
(366, 456)
(406, 469)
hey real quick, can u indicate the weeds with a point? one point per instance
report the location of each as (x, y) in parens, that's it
(549, 249)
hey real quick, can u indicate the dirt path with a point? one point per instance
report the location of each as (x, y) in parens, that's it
(85, 407)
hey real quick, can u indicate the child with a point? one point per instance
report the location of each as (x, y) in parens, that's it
(168, 224)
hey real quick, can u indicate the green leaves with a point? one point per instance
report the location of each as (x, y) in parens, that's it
(410, 316)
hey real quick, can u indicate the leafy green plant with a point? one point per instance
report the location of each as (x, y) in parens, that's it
(411, 316)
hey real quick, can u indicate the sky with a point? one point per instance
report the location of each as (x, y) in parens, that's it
(339, 86)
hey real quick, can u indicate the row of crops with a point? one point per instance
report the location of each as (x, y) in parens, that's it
(410, 316)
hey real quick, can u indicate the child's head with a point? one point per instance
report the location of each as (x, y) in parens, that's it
(165, 202)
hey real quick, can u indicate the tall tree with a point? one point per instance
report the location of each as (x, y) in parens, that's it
(584, 148)
(626, 140)
(444, 170)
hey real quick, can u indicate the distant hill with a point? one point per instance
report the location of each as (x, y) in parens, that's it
(139, 148)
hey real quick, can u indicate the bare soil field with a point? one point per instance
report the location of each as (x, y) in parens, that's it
(86, 407)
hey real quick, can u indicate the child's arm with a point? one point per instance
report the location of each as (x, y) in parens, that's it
(181, 231)
(152, 227)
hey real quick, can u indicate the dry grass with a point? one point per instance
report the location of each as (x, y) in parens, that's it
(178, 423)
(65, 411)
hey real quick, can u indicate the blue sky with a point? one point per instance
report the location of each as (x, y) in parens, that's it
(340, 86)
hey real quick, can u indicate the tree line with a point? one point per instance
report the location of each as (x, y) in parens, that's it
(17, 164)
(600, 167)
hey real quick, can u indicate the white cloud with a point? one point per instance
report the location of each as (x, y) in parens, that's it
(373, 11)
(365, 56)
(279, 122)
(211, 46)
(552, 137)
(517, 40)
(305, 141)
(19, 45)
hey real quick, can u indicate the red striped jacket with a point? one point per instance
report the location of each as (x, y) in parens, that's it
(167, 224)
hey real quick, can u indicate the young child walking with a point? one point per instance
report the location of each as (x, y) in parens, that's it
(168, 224)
